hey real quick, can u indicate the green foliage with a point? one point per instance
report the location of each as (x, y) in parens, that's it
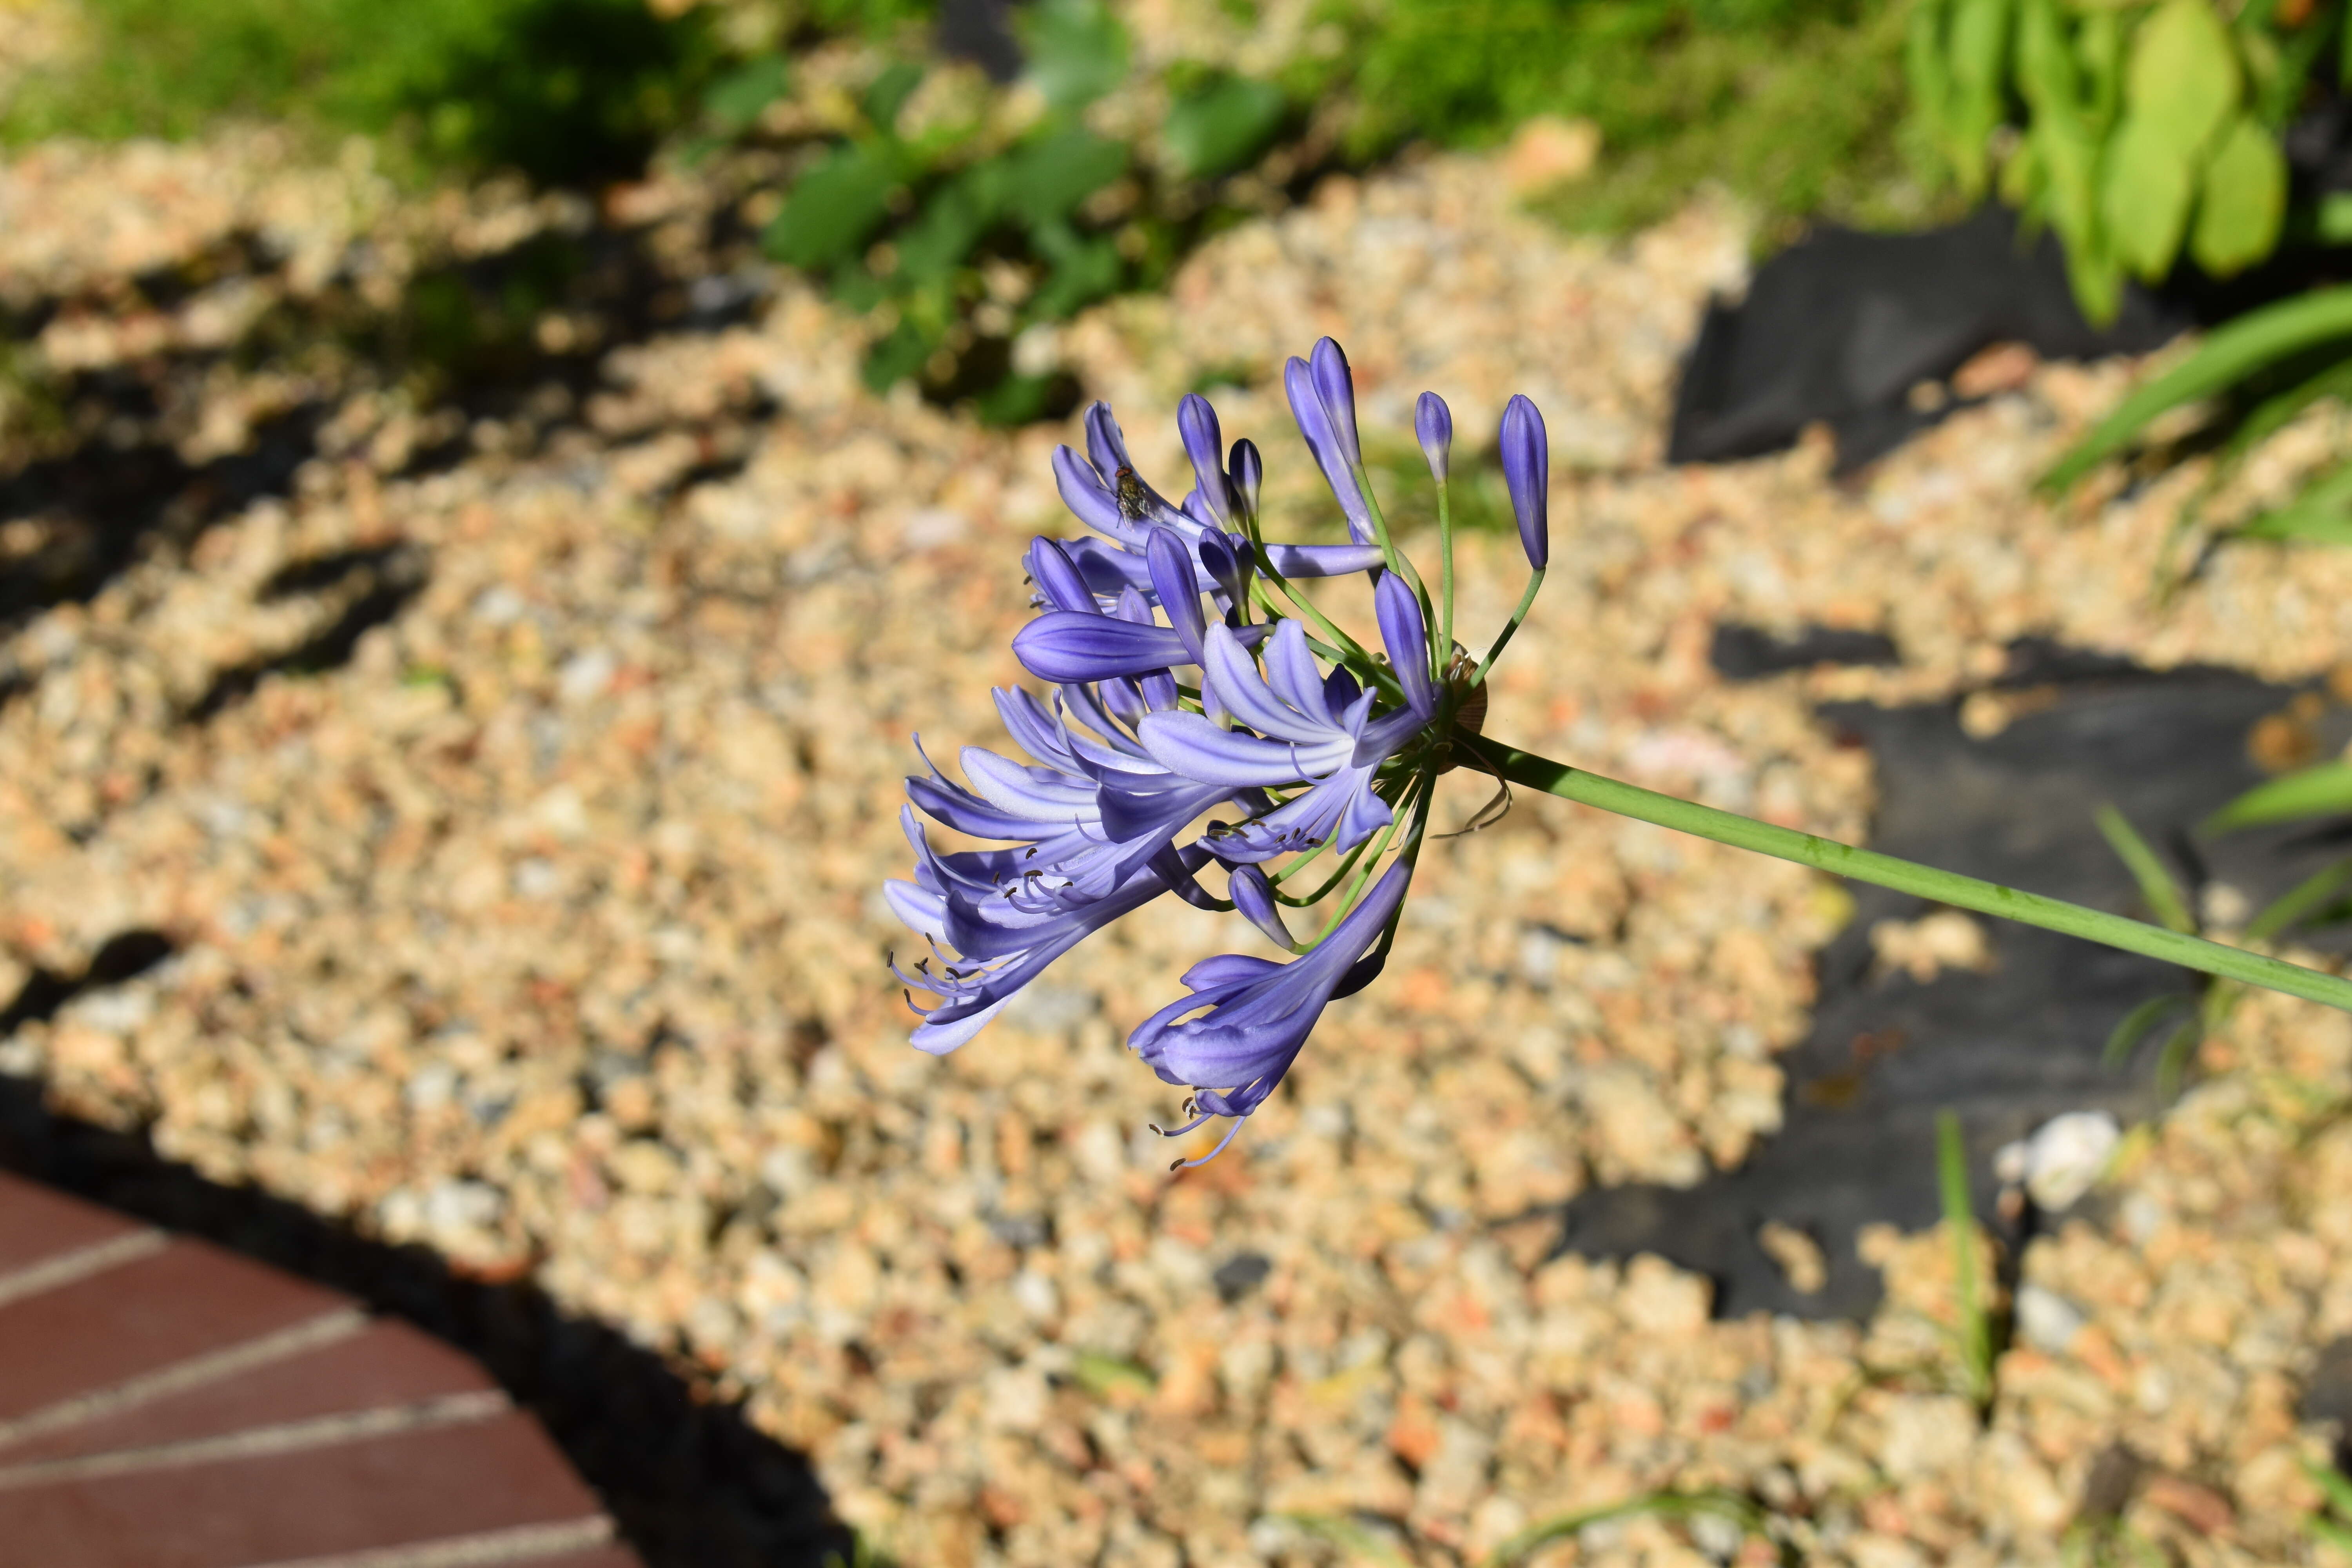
(2331, 1525)
(1223, 124)
(1974, 1341)
(2319, 899)
(1785, 101)
(562, 90)
(2263, 369)
(2140, 131)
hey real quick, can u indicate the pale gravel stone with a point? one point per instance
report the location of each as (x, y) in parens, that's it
(575, 955)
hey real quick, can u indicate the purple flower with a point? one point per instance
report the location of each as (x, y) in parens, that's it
(1312, 728)
(1092, 831)
(1433, 422)
(1247, 1018)
(1526, 469)
(1104, 491)
(1318, 425)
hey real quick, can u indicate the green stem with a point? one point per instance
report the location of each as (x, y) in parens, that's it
(1904, 876)
(1510, 628)
(1445, 580)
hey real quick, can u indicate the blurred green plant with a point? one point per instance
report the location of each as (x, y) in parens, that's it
(1740, 1514)
(2140, 131)
(1974, 1333)
(960, 235)
(2331, 1524)
(565, 90)
(1786, 102)
(2322, 899)
(2258, 372)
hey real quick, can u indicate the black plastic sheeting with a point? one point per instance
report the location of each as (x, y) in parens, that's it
(1839, 327)
(2007, 1049)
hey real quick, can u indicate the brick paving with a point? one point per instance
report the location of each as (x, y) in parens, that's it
(166, 1404)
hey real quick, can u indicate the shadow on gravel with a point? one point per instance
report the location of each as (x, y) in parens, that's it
(690, 1482)
(92, 479)
(2006, 1049)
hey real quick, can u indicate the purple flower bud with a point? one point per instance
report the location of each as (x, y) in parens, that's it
(1197, 423)
(1527, 468)
(1337, 387)
(1253, 895)
(1434, 423)
(1248, 471)
(1060, 584)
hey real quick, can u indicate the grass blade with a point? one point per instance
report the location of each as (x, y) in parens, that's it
(2313, 792)
(1975, 1330)
(1668, 1505)
(2251, 342)
(2335, 1484)
(2156, 884)
(1349, 1536)
(2306, 898)
(2127, 1035)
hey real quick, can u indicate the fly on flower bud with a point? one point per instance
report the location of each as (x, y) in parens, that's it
(1526, 469)
(1434, 423)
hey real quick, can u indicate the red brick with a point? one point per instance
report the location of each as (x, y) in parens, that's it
(615, 1556)
(186, 1301)
(427, 1485)
(384, 1365)
(37, 1224)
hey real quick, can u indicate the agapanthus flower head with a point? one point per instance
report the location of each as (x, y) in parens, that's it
(1207, 723)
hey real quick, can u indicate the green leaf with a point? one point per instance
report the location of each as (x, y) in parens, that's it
(2322, 791)
(890, 91)
(1045, 181)
(1223, 126)
(1103, 1375)
(2250, 343)
(1077, 50)
(2333, 220)
(1978, 44)
(2331, 1482)
(2099, 44)
(2147, 193)
(2274, 412)
(1083, 271)
(2292, 907)
(2046, 74)
(896, 357)
(735, 100)
(833, 208)
(950, 223)
(2244, 200)
(2126, 1036)
(2321, 514)
(2183, 79)
(2156, 884)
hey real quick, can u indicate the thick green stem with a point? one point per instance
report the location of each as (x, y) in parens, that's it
(1904, 876)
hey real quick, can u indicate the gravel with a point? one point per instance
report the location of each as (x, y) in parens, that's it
(544, 928)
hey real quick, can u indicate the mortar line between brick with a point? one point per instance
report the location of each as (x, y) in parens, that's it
(263, 1442)
(523, 1543)
(180, 1376)
(51, 1273)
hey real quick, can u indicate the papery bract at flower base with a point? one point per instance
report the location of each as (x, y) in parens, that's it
(1247, 1018)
